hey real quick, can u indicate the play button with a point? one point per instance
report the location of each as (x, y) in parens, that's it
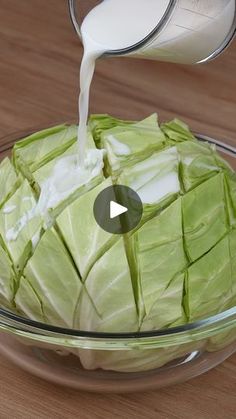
(118, 209)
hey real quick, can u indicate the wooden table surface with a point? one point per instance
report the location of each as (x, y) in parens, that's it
(39, 68)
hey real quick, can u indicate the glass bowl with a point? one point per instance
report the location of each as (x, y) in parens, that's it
(170, 356)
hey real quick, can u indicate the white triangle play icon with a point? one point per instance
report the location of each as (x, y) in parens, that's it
(116, 209)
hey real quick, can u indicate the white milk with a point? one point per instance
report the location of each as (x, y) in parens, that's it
(112, 25)
(195, 30)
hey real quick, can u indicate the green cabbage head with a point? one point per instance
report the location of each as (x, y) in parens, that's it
(59, 267)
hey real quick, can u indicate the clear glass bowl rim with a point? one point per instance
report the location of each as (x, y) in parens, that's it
(24, 327)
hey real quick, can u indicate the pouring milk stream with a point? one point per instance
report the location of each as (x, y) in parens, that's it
(198, 29)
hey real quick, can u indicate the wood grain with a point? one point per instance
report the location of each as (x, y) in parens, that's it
(39, 66)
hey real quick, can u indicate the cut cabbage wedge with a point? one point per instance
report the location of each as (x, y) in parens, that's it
(20, 225)
(57, 182)
(7, 280)
(204, 216)
(57, 285)
(44, 172)
(197, 163)
(177, 131)
(109, 288)
(101, 122)
(155, 179)
(128, 145)
(211, 280)
(84, 238)
(9, 180)
(37, 149)
(160, 256)
(167, 310)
